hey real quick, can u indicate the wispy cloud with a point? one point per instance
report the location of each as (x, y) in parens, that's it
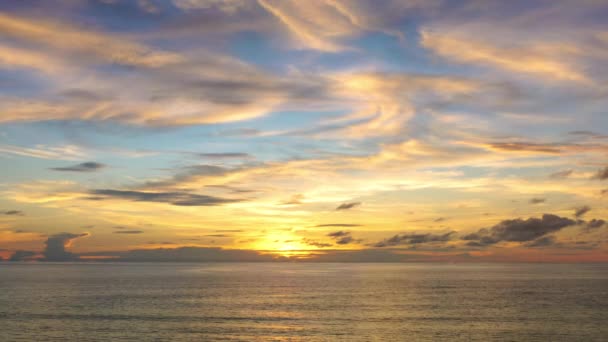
(338, 225)
(547, 61)
(348, 205)
(65, 152)
(13, 213)
(342, 237)
(537, 200)
(414, 239)
(580, 211)
(82, 167)
(175, 198)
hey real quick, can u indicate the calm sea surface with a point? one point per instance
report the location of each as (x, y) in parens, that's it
(303, 302)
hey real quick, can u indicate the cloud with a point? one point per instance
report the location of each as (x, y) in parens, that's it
(82, 167)
(544, 241)
(13, 213)
(593, 225)
(60, 152)
(315, 243)
(174, 198)
(519, 230)
(580, 211)
(342, 237)
(22, 255)
(226, 6)
(294, 200)
(328, 25)
(338, 225)
(561, 174)
(601, 174)
(526, 147)
(541, 60)
(339, 233)
(167, 88)
(348, 205)
(84, 43)
(314, 24)
(537, 200)
(129, 232)
(226, 155)
(57, 244)
(191, 174)
(414, 239)
(17, 58)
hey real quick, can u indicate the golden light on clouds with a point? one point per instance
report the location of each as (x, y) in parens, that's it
(304, 130)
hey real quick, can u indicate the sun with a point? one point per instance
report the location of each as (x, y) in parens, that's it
(284, 245)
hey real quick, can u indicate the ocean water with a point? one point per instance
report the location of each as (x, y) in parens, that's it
(303, 302)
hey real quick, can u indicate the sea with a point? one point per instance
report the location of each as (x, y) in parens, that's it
(303, 302)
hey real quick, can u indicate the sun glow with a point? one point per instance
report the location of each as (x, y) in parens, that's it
(284, 245)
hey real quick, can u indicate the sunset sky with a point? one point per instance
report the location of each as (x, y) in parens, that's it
(328, 130)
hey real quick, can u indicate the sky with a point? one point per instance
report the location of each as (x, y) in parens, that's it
(319, 130)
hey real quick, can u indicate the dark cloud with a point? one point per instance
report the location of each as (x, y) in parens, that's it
(21, 231)
(339, 233)
(348, 205)
(561, 174)
(604, 192)
(519, 230)
(345, 240)
(129, 232)
(593, 225)
(338, 225)
(229, 231)
(544, 241)
(231, 189)
(175, 198)
(190, 173)
(537, 200)
(22, 256)
(230, 155)
(588, 133)
(601, 174)
(316, 243)
(414, 239)
(342, 237)
(13, 213)
(580, 211)
(56, 245)
(439, 219)
(82, 167)
(527, 146)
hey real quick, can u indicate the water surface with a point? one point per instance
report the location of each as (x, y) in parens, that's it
(303, 302)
